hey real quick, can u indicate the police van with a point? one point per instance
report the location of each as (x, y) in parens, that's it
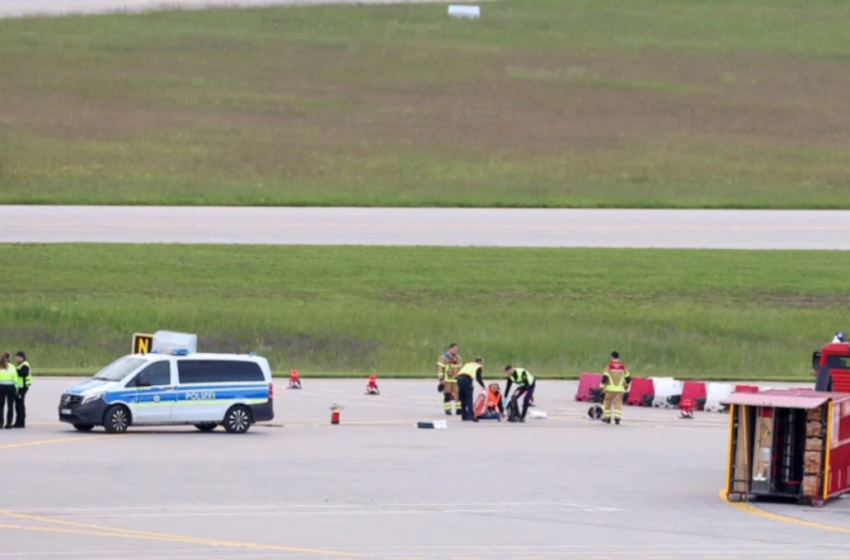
(173, 387)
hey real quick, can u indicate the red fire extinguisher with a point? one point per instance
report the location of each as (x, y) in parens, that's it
(335, 410)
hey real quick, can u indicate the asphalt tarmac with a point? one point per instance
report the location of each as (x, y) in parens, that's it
(376, 487)
(714, 229)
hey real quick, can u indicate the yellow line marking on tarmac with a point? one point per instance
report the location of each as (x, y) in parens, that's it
(99, 530)
(753, 510)
(36, 443)
(85, 529)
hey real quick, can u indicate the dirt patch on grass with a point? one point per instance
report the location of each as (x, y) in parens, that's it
(810, 301)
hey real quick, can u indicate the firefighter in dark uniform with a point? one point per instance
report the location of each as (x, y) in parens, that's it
(24, 383)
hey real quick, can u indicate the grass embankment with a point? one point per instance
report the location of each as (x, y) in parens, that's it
(700, 314)
(687, 103)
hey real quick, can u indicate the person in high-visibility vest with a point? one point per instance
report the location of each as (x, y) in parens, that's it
(24, 381)
(466, 388)
(448, 365)
(8, 382)
(526, 384)
(615, 383)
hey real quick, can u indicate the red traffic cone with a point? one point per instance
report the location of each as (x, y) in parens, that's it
(335, 410)
(372, 386)
(687, 409)
(294, 379)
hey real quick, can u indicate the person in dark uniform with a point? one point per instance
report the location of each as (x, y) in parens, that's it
(24, 383)
(8, 382)
(525, 386)
(466, 387)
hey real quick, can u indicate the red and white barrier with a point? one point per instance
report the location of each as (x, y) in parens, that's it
(586, 383)
(668, 392)
(641, 392)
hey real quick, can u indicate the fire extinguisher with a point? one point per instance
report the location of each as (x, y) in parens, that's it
(335, 410)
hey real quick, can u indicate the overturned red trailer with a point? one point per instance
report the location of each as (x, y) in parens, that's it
(792, 444)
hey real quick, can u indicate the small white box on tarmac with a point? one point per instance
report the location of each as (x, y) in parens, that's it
(537, 415)
(433, 425)
(468, 12)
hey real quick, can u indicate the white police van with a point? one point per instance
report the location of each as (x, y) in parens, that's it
(172, 387)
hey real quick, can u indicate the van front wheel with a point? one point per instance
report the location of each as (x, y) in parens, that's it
(237, 420)
(116, 420)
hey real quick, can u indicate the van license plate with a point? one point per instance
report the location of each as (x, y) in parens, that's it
(66, 411)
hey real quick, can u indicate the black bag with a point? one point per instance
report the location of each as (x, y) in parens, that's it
(514, 414)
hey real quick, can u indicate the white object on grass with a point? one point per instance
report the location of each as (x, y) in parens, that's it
(469, 12)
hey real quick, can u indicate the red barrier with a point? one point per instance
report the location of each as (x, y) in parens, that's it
(694, 393)
(587, 382)
(746, 389)
(640, 388)
(480, 405)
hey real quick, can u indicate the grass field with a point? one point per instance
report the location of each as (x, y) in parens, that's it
(663, 103)
(706, 314)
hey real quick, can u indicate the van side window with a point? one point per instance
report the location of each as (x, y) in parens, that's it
(155, 375)
(218, 371)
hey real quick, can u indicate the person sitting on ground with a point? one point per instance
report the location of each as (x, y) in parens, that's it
(495, 405)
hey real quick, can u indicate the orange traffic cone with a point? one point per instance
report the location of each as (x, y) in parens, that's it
(687, 409)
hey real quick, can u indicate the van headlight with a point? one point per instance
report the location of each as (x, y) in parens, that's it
(91, 398)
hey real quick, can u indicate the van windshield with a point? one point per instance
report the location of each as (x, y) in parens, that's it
(118, 370)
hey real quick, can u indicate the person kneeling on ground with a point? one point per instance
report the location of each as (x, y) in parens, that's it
(495, 405)
(526, 385)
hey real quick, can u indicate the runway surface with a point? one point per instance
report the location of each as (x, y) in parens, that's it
(715, 229)
(378, 488)
(17, 8)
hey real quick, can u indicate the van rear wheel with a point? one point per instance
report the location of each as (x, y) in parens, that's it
(237, 420)
(116, 420)
(206, 427)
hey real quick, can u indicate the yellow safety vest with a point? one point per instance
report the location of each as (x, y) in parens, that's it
(9, 376)
(469, 369)
(24, 381)
(519, 373)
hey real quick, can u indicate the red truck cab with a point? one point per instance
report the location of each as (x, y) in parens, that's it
(831, 366)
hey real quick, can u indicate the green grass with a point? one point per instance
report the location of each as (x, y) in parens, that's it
(690, 314)
(600, 103)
